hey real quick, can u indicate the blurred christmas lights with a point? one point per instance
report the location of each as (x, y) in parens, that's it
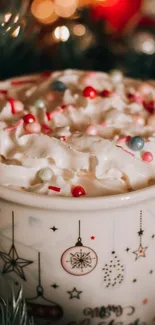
(61, 33)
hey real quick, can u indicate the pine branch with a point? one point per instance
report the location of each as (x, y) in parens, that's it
(13, 311)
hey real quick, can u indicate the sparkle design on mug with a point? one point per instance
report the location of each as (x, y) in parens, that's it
(113, 272)
(39, 305)
(14, 263)
(140, 252)
(79, 259)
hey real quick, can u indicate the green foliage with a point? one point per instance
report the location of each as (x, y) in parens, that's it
(13, 311)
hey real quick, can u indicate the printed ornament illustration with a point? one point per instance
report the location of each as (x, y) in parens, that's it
(114, 270)
(39, 306)
(14, 263)
(140, 252)
(79, 259)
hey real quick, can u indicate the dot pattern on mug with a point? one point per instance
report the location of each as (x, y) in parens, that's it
(113, 272)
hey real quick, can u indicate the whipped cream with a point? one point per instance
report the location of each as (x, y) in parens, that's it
(84, 141)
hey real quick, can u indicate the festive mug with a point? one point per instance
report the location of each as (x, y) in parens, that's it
(81, 261)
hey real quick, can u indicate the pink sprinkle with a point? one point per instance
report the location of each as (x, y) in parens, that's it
(54, 188)
(13, 127)
(63, 138)
(124, 139)
(91, 130)
(46, 128)
(103, 123)
(22, 82)
(147, 156)
(130, 153)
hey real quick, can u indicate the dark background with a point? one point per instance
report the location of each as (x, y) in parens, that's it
(118, 34)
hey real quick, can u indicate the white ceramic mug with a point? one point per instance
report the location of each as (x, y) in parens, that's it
(81, 261)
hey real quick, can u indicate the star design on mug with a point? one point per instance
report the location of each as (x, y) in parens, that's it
(140, 252)
(13, 263)
(74, 293)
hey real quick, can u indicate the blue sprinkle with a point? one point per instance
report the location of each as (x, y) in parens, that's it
(58, 86)
(136, 143)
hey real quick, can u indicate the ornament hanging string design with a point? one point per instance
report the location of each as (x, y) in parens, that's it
(79, 259)
(141, 251)
(114, 270)
(36, 305)
(13, 263)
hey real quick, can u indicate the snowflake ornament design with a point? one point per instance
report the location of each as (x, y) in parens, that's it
(79, 259)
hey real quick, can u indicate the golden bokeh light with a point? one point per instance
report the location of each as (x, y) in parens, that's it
(79, 30)
(65, 11)
(42, 9)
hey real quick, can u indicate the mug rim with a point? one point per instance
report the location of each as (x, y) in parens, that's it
(39, 201)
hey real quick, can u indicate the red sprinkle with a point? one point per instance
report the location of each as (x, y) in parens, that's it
(49, 115)
(89, 92)
(63, 138)
(29, 118)
(46, 74)
(12, 103)
(135, 98)
(63, 107)
(54, 188)
(3, 92)
(105, 93)
(147, 156)
(46, 128)
(78, 191)
(130, 153)
(22, 82)
(150, 107)
(124, 139)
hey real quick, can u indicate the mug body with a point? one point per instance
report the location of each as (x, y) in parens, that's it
(81, 267)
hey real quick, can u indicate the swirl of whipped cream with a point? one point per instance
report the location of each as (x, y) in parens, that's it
(99, 162)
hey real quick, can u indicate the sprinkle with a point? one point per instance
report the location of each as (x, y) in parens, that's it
(54, 188)
(45, 174)
(46, 74)
(124, 139)
(91, 130)
(49, 115)
(78, 191)
(89, 92)
(136, 143)
(12, 104)
(29, 118)
(135, 98)
(147, 156)
(130, 153)
(105, 93)
(46, 128)
(22, 82)
(149, 106)
(58, 85)
(3, 92)
(63, 138)
(103, 123)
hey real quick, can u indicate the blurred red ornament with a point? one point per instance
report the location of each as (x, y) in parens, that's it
(119, 14)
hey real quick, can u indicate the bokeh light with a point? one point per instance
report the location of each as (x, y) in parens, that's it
(61, 33)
